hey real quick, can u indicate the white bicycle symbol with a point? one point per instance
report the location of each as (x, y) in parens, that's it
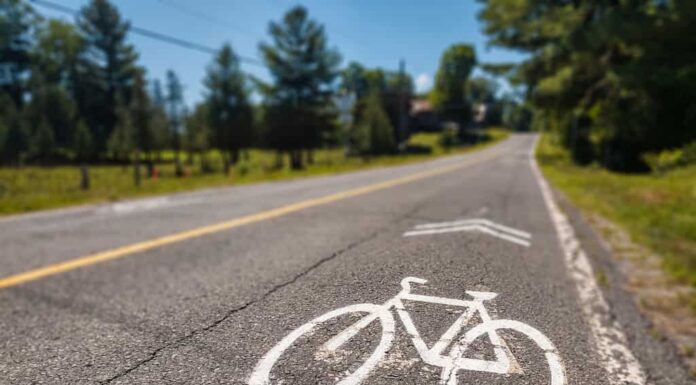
(451, 363)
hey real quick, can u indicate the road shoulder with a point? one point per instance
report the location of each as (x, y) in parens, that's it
(658, 355)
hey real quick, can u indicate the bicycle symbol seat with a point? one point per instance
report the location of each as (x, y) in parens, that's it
(450, 363)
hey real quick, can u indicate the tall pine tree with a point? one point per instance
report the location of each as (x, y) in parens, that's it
(303, 69)
(229, 110)
(111, 67)
(16, 24)
(176, 114)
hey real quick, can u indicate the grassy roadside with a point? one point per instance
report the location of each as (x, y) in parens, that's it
(659, 212)
(35, 188)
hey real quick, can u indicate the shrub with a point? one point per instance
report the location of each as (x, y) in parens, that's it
(664, 161)
(689, 154)
(450, 136)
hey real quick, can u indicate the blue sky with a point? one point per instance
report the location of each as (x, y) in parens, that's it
(372, 32)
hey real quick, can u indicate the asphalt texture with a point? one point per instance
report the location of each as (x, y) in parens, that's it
(207, 309)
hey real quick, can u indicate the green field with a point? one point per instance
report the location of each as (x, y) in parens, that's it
(35, 188)
(658, 212)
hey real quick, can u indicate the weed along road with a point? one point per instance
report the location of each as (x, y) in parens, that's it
(461, 270)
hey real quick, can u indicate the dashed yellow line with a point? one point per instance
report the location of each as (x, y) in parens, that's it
(120, 252)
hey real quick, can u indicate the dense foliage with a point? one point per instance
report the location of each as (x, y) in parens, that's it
(616, 79)
(450, 94)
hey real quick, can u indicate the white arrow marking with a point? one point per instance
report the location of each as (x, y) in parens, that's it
(476, 221)
(482, 225)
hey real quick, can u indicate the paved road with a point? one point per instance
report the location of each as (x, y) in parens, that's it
(148, 291)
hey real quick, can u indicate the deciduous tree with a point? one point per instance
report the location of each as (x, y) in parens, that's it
(449, 92)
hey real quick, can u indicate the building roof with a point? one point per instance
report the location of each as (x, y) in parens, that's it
(421, 105)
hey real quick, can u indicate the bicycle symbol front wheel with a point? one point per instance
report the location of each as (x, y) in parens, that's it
(553, 359)
(262, 371)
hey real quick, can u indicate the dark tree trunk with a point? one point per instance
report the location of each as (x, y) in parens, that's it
(225, 163)
(150, 165)
(296, 159)
(136, 168)
(189, 158)
(178, 171)
(84, 177)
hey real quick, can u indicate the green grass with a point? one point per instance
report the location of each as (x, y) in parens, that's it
(34, 188)
(659, 212)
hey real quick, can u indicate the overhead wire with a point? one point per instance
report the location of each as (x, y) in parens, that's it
(152, 34)
(194, 12)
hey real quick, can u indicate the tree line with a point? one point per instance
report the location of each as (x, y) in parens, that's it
(615, 79)
(75, 93)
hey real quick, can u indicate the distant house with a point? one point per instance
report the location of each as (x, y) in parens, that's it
(423, 116)
(480, 111)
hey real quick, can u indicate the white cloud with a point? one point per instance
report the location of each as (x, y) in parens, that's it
(423, 83)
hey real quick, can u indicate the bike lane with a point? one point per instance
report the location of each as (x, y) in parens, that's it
(209, 310)
(532, 284)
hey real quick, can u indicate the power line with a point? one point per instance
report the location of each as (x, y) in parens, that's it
(151, 34)
(194, 12)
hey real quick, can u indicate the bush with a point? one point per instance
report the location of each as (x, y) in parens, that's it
(670, 159)
(374, 134)
(450, 136)
(243, 168)
(577, 140)
(689, 154)
(360, 139)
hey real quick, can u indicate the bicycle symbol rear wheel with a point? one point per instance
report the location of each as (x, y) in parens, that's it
(262, 371)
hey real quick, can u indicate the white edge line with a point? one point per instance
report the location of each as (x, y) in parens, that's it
(611, 342)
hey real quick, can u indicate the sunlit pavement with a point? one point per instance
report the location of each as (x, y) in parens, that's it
(233, 304)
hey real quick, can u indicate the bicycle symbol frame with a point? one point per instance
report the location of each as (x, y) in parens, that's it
(451, 363)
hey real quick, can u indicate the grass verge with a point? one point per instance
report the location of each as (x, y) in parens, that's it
(659, 212)
(35, 188)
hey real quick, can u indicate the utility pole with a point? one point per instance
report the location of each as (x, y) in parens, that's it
(401, 129)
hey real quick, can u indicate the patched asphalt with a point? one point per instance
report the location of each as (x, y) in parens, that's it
(206, 310)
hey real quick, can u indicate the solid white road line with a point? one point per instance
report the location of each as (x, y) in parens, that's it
(612, 346)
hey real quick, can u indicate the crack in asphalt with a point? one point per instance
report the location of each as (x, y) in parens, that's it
(151, 356)
(231, 312)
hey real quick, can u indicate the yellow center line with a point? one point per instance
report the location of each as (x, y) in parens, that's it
(138, 247)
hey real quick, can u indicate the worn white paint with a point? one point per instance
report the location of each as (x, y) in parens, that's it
(477, 221)
(451, 363)
(612, 346)
(134, 206)
(475, 224)
(140, 205)
(261, 374)
(491, 327)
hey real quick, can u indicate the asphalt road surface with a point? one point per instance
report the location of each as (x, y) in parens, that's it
(242, 285)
